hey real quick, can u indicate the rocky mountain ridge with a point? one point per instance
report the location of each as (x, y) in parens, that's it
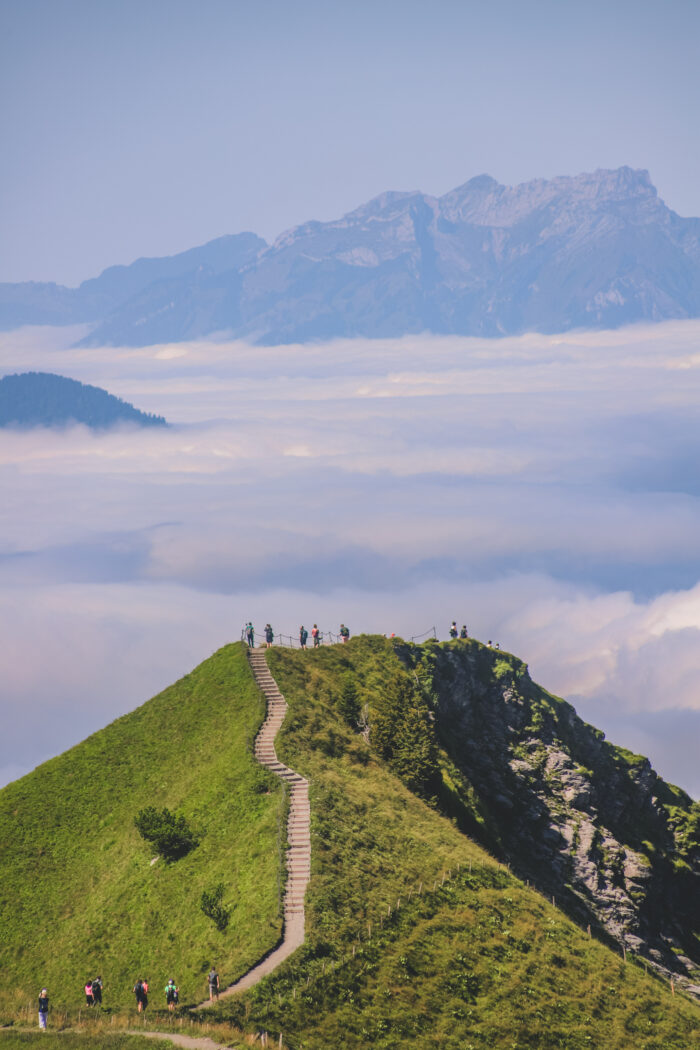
(592, 250)
(589, 823)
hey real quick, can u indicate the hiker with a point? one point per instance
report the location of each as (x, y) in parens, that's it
(250, 634)
(97, 991)
(303, 635)
(213, 979)
(316, 635)
(453, 630)
(43, 1008)
(463, 633)
(141, 993)
(172, 994)
(344, 633)
(269, 636)
(89, 998)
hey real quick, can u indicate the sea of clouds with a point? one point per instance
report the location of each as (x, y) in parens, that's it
(544, 490)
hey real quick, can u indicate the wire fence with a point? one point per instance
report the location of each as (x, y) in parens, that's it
(323, 638)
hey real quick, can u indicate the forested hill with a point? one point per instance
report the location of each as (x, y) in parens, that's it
(42, 399)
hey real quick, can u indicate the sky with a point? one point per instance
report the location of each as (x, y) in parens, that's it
(541, 489)
(144, 128)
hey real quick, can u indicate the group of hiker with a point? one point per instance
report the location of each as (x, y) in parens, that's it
(93, 994)
(316, 635)
(140, 990)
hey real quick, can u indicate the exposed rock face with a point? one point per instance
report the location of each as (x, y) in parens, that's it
(589, 823)
(592, 250)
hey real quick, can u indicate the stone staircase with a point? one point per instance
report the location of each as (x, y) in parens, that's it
(298, 827)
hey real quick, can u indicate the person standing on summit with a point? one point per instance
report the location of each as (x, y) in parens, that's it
(303, 635)
(250, 634)
(453, 629)
(316, 635)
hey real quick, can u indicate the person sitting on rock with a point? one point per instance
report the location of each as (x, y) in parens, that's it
(344, 633)
(463, 633)
(453, 629)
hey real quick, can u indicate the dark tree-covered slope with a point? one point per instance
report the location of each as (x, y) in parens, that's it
(42, 399)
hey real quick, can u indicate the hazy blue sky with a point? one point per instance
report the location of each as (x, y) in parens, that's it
(142, 128)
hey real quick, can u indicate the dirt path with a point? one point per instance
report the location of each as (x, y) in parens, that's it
(201, 1043)
(298, 828)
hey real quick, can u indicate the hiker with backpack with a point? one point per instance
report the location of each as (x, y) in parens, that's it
(344, 633)
(141, 993)
(316, 635)
(250, 634)
(172, 995)
(213, 979)
(453, 630)
(97, 991)
(43, 1008)
(463, 633)
(269, 636)
(303, 635)
(89, 998)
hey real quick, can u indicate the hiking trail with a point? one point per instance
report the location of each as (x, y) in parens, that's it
(298, 829)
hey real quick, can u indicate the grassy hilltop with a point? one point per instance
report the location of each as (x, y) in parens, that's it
(78, 893)
(395, 956)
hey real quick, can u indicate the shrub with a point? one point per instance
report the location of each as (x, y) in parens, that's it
(213, 908)
(349, 703)
(171, 835)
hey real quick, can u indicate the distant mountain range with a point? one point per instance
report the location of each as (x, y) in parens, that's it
(592, 251)
(42, 399)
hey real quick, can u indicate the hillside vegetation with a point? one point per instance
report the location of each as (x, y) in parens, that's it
(417, 937)
(480, 960)
(42, 399)
(79, 895)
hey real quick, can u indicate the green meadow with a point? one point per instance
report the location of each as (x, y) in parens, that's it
(416, 936)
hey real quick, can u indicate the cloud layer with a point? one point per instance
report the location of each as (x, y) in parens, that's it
(544, 489)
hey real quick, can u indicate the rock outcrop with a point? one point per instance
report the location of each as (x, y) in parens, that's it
(587, 822)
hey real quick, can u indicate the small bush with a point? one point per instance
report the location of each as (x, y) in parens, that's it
(349, 703)
(171, 835)
(213, 908)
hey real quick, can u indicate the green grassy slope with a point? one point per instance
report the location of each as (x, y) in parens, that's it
(78, 894)
(481, 961)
